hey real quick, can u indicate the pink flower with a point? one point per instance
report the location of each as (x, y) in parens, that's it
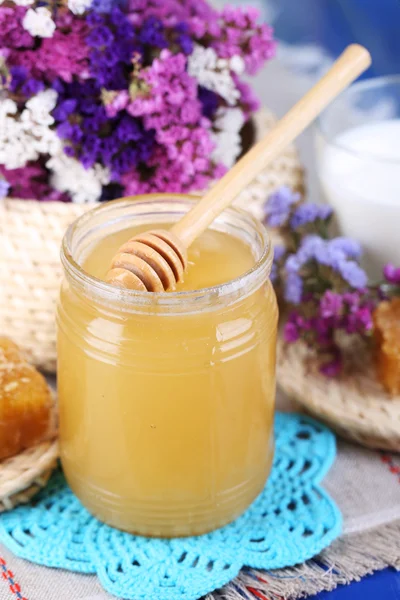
(63, 55)
(248, 99)
(290, 332)
(12, 34)
(32, 183)
(242, 35)
(117, 103)
(392, 274)
(331, 304)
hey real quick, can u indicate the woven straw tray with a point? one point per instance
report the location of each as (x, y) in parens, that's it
(25, 474)
(355, 405)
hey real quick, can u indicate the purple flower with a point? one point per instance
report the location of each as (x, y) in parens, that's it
(183, 38)
(93, 18)
(331, 304)
(64, 109)
(103, 6)
(332, 368)
(4, 188)
(209, 101)
(152, 33)
(22, 82)
(392, 274)
(365, 318)
(329, 253)
(349, 247)
(238, 33)
(293, 288)
(290, 332)
(18, 77)
(99, 36)
(309, 213)
(323, 330)
(278, 205)
(359, 321)
(32, 87)
(279, 252)
(353, 274)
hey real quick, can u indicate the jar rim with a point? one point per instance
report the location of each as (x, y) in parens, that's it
(134, 299)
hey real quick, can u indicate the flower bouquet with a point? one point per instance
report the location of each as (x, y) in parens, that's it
(107, 98)
(335, 323)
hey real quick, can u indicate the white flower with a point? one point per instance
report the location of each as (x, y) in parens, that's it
(20, 2)
(68, 175)
(24, 137)
(38, 22)
(214, 73)
(41, 105)
(237, 64)
(228, 143)
(78, 7)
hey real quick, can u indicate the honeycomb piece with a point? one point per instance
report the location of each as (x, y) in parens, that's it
(387, 335)
(26, 404)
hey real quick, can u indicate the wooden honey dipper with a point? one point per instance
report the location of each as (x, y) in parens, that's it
(156, 260)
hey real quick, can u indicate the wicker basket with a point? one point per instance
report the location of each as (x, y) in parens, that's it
(354, 404)
(30, 237)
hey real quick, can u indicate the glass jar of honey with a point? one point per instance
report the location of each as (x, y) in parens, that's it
(166, 400)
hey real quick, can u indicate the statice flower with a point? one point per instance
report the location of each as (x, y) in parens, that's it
(104, 6)
(24, 85)
(293, 288)
(309, 213)
(331, 305)
(242, 35)
(12, 34)
(349, 247)
(38, 22)
(69, 176)
(112, 43)
(209, 102)
(228, 123)
(279, 205)
(199, 14)
(152, 33)
(20, 2)
(31, 182)
(148, 95)
(248, 100)
(315, 252)
(92, 136)
(214, 73)
(78, 7)
(182, 38)
(174, 112)
(64, 56)
(25, 136)
(279, 253)
(4, 188)
(392, 274)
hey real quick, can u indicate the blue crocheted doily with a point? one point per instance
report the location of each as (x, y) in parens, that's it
(292, 520)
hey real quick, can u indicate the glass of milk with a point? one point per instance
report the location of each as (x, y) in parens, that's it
(358, 162)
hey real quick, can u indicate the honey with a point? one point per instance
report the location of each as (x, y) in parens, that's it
(387, 336)
(166, 400)
(26, 405)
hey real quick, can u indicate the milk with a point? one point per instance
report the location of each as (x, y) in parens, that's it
(359, 170)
